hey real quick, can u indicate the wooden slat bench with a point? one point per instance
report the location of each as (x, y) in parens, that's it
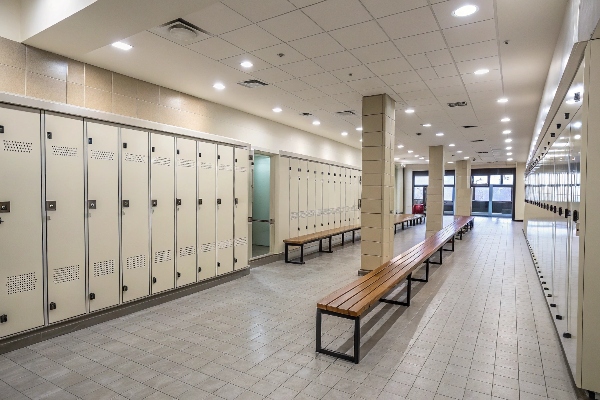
(300, 241)
(356, 298)
(410, 219)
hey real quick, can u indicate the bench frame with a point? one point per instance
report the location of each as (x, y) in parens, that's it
(411, 222)
(320, 240)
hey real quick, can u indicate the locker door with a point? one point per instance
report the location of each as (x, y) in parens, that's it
(358, 196)
(103, 215)
(186, 212)
(135, 214)
(162, 174)
(294, 228)
(21, 265)
(242, 174)
(224, 209)
(326, 198)
(311, 183)
(336, 197)
(318, 197)
(302, 197)
(65, 222)
(347, 198)
(207, 210)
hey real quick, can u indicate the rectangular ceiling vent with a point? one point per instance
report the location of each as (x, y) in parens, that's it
(181, 32)
(482, 152)
(458, 104)
(476, 140)
(252, 83)
(306, 114)
(346, 113)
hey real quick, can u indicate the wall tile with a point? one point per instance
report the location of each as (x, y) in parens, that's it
(170, 98)
(98, 99)
(12, 80)
(124, 105)
(373, 153)
(148, 92)
(45, 63)
(76, 72)
(372, 105)
(372, 123)
(75, 94)
(124, 85)
(46, 88)
(370, 248)
(189, 103)
(12, 53)
(369, 263)
(98, 78)
(147, 111)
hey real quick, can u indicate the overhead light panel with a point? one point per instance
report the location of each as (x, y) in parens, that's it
(421, 158)
(460, 151)
(396, 159)
(316, 122)
(505, 119)
(509, 154)
(247, 64)
(426, 125)
(506, 132)
(219, 86)
(344, 133)
(509, 148)
(277, 110)
(508, 140)
(451, 145)
(503, 100)
(465, 11)
(466, 158)
(400, 146)
(122, 46)
(509, 159)
(359, 128)
(439, 134)
(482, 71)
(409, 110)
(410, 151)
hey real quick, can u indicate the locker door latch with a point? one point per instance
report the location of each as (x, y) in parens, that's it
(178, 202)
(218, 201)
(92, 296)
(199, 202)
(154, 280)
(218, 264)
(235, 260)
(1, 128)
(154, 203)
(236, 201)
(4, 206)
(199, 269)
(125, 203)
(179, 274)
(125, 288)
(92, 204)
(52, 306)
(51, 206)
(3, 318)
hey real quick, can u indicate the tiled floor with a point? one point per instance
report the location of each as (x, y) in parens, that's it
(479, 329)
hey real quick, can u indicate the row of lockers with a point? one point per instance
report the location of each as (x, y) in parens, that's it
(322, 197)
(93, 215)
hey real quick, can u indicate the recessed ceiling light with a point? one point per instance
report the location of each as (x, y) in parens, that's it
(450, 162)
(503, 100)
(505, 119)
(506, 132)
(439, 134)
(344, 133)
(451, 145)
(572, 101)
(482, 71)
(410, 151)
(465, 11)
(409, 111)
(360, 140)
(509, 159)
(421, 158)
(577, 137)
(316, 122)
(359, 128)
(426, 125)
(466, 158)
(400, 146)
(246, 64)
(508, 140)
(509, 154)
(122, 46)
(509, 148)
(460, 151)
(577, 125)
(277, 110)
(396, 159)
(416, 155)
(219, 86)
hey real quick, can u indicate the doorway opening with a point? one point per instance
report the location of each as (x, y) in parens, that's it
(261, 206)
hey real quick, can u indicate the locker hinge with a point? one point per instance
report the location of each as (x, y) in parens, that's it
(199, 154)
(236, 201)
(177, 151)
(125, 288)
(153, 149)
(89, 140)
(3, 317)
(92, 296)
(52, 306)
(199, 269)
(49, 135)
(235, 260)
(218, 264)
(179, 274)
(218, 156)
(290, 168)
(235, 160)
(4, 206)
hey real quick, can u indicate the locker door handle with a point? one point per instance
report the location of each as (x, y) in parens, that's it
(179, 274)
(154, 203)
(236, 201)
(235, 260)
(125, 288)
(52, 306)
(218, 201)
(218, 264)
(92, 296)
(4, 206)
(199, 202)
(153, 280)
(51, 206)
(178, 202)
(125, 203)
(3, 318)
(91, 204)
(575, 215)
(199, 269)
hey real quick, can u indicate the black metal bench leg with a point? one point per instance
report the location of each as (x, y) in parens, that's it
(353, 236)
(320, 245)
(395, 226)
(342, 239)
(402, 225)
(301, 254)
(450, 241)
(441, 252)
(287, 254)
(426, 273)
(355, 358)
(331, 251)
(356, 340)
(406, 303)
(318, 338)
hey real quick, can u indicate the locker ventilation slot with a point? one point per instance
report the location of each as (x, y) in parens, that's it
(102, 268)
(241, 169)
(64, 151)
(161, 161)
(187, 163)
(187, 251)
(225, 167)
(241, 241)
(66, 274)
(21, 283)
(102, 155)
(294, 215)
(206, 165)
(135, 158)
(17, 146)
(163, 256)
(206, 247)
(136, 262)
(225, 244)
(302, 214)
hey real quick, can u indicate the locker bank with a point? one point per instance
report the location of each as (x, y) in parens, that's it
(184, 185)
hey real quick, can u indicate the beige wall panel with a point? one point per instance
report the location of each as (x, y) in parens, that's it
(207, 210)
(186, 207)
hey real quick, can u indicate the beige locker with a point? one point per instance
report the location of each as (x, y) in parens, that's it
(224, 209)
(135, 214)
(21, 265)
(311, 186)
(65, 210)
(358, 196)
(336, 197)
(327, 184)
(163, 212)
(241, 178)
(302, 197)
(207, 210)
(347, 198)
(103, 215)
(186, 212)
(318, 197)
(294, 176)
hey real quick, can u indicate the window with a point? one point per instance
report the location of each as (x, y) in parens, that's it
(418, 193)
(507, 179)
(482, 194)
(448, 193)
(421, 180)
(495, 179)
(480, 180)
(449, 180)
(502, 194)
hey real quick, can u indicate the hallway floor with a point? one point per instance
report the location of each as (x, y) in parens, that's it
(480, 329)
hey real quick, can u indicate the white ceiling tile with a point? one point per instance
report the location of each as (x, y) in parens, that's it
(359, 35)
(338, 88)
(217, 19)
(376, 52)
(353, 73)
(427, 73)
(390, 66)
(472, 33)
(468, 67)
(304, 3)
(410, 87)
(320, 80)
(272, 75)
(419, 103)
(489, 86)
(235, 62)
(443, 12)
(335, 14)
(293, 85)
(419, 94)
(302, 68)
(442, 82)
(251, 38)
(457, 90)
(439, 57)
(308, 94)
(418, 61)
(215, 48)
(366, 84)
(260, 10)
(317, 45)
(421, 43)
(331, 107)
(271, 54)
(349, 99)
(409, 23)
(475, 51)
(444, 71)
(331, 62)
(493, 75)
(382, 8)
(401, 77)
(291, 26)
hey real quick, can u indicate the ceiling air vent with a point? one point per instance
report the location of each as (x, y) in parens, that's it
(181, 32)
(458, 104)
(482, 152)
(305, 114)
(476, 140)
(346, 113)
(469, 126)
(252, 83)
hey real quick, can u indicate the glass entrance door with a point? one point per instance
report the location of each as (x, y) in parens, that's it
(494, 196)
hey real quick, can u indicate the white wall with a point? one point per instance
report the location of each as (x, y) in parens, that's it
(38, 15)
(10, 19)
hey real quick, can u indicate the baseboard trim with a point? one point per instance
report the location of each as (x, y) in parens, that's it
(85, 321)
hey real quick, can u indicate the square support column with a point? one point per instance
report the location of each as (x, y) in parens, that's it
(435, 191)
(377, 203)
(463, 203)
